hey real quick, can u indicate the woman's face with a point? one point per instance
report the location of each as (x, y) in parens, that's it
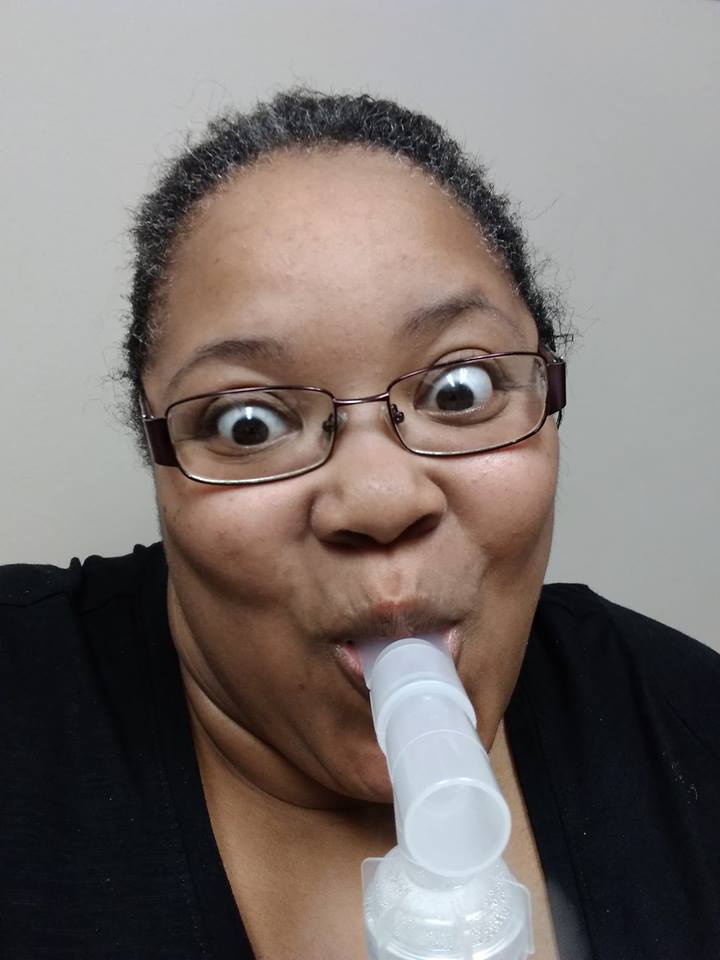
(330, 254)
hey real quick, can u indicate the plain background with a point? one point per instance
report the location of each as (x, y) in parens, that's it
(601, 119)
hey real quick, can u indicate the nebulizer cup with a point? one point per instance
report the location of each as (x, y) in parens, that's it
(444, 892)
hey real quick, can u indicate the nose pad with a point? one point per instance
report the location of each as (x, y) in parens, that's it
(396, 414)
(329, 424)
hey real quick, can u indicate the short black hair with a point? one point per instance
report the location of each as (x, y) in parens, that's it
(304, 118)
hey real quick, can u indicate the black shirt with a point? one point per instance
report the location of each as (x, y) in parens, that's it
(106, 847)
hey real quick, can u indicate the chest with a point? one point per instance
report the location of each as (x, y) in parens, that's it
(299, 906)
(297, 883)
(291, 913)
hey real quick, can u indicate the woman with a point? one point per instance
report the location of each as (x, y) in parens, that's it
(191, 764)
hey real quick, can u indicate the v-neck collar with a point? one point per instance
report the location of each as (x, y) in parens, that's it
(221, 932)
(525, 742)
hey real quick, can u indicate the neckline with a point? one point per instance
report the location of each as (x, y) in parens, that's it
(220, 930)
(529, 751)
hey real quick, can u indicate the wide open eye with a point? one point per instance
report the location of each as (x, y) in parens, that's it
(247, 425)
(459, 391)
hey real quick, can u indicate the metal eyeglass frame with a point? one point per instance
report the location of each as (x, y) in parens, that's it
(163, 452)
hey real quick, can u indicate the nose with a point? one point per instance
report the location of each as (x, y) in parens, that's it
(373, 492)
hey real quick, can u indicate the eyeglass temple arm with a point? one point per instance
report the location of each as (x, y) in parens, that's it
(556, 380)
(157, 435)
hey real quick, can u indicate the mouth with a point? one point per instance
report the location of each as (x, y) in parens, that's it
(392, 624)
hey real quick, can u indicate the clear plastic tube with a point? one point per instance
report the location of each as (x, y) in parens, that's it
(444, 892)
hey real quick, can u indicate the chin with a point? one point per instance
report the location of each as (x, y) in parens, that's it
(369, 781)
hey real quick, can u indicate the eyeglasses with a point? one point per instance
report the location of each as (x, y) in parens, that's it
(262, 434)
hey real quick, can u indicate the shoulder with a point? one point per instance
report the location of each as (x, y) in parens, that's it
(82, 584)
(65, 636)
(583, 618)
(25, 584)
(45, 606)
(612, 648)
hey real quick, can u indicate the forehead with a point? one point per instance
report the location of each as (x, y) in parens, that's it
(301, 215)
(321, 245)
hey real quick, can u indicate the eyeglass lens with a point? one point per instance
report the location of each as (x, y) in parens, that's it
(471, 406)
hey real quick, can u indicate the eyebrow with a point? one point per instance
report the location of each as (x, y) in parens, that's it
(429, 319)
(237, 350)
(422, 322)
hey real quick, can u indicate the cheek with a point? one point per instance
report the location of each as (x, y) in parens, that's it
(239, 539)
(249, 543)
(505, 500)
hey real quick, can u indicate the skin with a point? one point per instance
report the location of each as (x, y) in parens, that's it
(331, 252)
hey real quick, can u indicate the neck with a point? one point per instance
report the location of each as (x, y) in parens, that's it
(235, 762)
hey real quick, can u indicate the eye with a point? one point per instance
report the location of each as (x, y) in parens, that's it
(248, 424)
(457, 390)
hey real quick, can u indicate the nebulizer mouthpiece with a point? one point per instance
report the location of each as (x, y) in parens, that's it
(444, 892)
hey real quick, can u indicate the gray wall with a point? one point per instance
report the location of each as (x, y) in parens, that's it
(600, 118)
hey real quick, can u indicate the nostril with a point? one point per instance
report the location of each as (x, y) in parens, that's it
(364, 541)
(351, 538)
(421, 526)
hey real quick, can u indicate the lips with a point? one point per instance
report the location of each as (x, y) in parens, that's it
(393, 623)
